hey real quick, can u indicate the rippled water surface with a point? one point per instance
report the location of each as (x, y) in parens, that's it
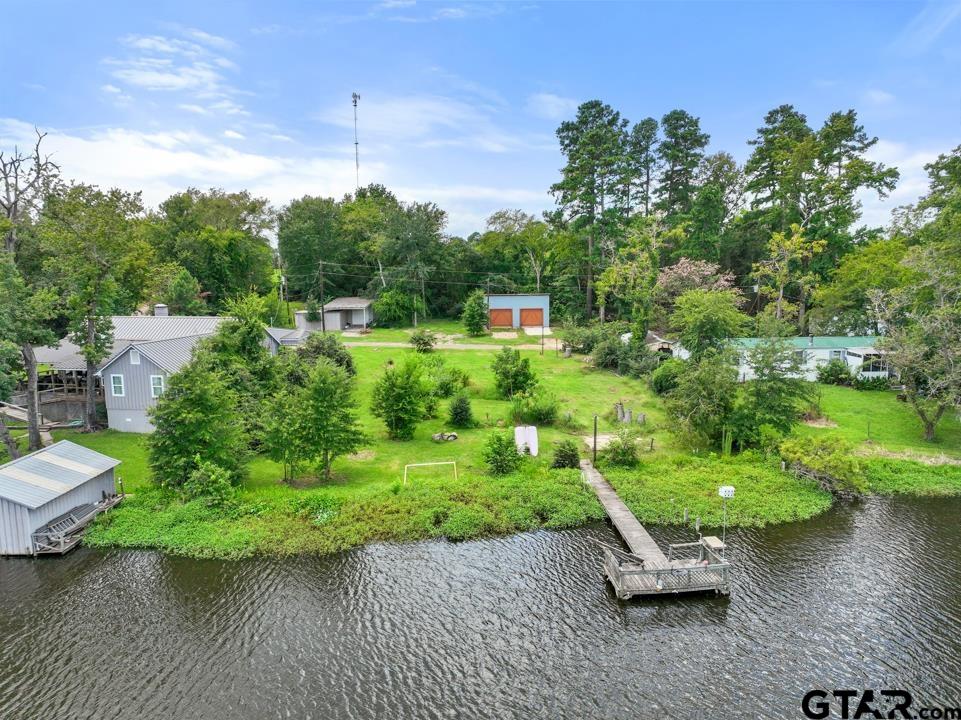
(864, 596)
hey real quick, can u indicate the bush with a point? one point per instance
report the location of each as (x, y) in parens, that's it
(830, 460)
(467, 522)
(399, 398)
(326, 345)
(534, 408)
(621, 450)
(474, 316)
(875, 383)
(512, 373)
(500, 453)
(581, 338)
(459, 413)
(423, 340)
(609, 353)
(835, 372)
(397, 308)
(445, 380)
(313, 310)
(664, 378)
(566, 455)
(210, 482)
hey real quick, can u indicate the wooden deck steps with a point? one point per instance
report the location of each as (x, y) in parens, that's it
(646, 571)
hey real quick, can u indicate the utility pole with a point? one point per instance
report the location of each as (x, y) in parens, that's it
(355, 98)
(323, 319)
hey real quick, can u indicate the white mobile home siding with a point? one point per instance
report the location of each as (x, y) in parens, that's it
(129, 413)
(17, 523)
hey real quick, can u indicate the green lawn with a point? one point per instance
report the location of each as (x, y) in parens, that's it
(367, 501)
(879, 417)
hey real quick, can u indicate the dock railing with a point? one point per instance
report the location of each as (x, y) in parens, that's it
(704, 570)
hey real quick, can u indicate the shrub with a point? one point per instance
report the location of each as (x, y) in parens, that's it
(449, 380)
(210, 482)
(398, 398)
(467, 522)
(313, 310)
(397, 308)
(566, 455)
(423, 340)
(581, 338)
(325, 345)
(474, 316)
(874, 383)
(459, 413)
(621, 450)
(830, 460)
(512, 373)
(534, 408)
(664, 378)
(835, 372)
(609, 353)
(500, 453)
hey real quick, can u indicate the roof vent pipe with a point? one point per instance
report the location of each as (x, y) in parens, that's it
(160, 310)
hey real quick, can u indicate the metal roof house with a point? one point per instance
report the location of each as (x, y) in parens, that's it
(344, 313)
(859, 353)
(519, 310)
(49, 496)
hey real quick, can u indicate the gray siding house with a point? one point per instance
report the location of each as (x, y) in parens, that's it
(49, 484)
(519, 310)
(135, 377)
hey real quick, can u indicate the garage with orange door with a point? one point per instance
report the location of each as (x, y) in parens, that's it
(519, 310)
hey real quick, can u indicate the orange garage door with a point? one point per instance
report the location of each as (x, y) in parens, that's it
(532, 317)
(502, 318)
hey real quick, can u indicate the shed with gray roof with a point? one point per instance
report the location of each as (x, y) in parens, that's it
(49, 491)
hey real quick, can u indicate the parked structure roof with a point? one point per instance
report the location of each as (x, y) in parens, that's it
(129, 330)
(819, 342)
(48, 473)
(348, 303)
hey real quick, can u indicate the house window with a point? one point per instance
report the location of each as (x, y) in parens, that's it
(134, 357)
(116, 385)
(156, 386)
(874, 364)
(837, 354)
(800, 356)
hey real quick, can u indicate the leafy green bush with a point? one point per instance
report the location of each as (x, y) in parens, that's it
(468, 521)
(830, 460)
(459, 413)
(327, 345)
(313, 309)
(399, 398)
(566, 455)
(534, 408)
(512, 373)
(317, 508)
(423, 340)
(474, 315)
(210, 482)
(397, 308)
(446, 380)
(872, 383)
(579, 338)
(664, 378)
(609, 353)
(500, 453)
(835, 372)
(621, 451)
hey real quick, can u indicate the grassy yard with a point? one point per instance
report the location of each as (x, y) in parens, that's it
(367, 501)
(452, 330)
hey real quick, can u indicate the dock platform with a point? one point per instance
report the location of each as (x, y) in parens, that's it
(645, 570)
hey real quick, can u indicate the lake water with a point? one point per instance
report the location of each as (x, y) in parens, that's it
(864, 596)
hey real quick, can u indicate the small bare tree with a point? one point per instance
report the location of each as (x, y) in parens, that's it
(26, 180)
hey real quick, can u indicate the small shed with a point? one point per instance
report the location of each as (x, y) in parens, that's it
(48, 496)
(344, 313)
(519, 310)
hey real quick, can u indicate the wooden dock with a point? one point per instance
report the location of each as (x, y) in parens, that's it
(645, 570)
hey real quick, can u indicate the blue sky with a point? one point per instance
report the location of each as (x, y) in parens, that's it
(459, 102)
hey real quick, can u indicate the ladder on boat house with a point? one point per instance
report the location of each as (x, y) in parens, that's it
(645, 570)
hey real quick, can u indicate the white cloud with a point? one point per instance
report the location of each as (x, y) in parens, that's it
(281, 138)
(550, 106)
(427, 120)
(913, 183)
(206, 38)
(879, 97)
(927, 26)
(196, 109)
(112, 89)
(163, 74)
(233, 135)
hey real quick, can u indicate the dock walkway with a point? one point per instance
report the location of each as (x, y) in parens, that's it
(646, 570)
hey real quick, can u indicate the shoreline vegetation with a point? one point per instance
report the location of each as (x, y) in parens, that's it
(366, 500)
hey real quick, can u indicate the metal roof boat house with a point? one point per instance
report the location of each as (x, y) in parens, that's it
(48, 497)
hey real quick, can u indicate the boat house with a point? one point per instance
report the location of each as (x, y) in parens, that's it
(48, 497)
